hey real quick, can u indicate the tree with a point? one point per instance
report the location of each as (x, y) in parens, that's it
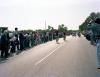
(50, 28)
(62, 28)
(90, 19)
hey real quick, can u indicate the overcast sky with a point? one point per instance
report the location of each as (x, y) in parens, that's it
(31, 14)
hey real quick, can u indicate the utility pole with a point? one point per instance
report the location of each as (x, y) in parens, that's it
(45, 24)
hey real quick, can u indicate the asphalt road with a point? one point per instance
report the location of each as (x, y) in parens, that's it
(73, 58)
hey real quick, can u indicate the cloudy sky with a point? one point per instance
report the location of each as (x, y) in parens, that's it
(31, 14)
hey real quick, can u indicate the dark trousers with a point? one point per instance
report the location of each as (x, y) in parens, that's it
(4, 52)
(12, 47)
(22, 45)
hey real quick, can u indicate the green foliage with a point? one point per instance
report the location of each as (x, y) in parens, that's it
(62, 28)
(50, 28)
(90, 19)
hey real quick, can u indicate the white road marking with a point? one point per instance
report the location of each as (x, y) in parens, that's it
(47, 55)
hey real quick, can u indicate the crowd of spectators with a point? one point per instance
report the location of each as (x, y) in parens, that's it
(17, 41)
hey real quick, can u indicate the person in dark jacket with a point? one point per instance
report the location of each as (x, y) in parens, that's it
(22, 39)
(64, 36)
(57, 36)
(4, 44)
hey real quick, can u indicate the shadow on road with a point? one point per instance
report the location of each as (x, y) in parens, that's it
(3, 60)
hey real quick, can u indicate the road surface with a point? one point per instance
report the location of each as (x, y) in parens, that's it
(73, 58)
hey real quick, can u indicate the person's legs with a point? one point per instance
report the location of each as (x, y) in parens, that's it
(6, 52)
(98, 56)
(2, 53)
(57, 39)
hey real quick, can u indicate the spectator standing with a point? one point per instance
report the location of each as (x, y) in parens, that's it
(16, 34)
(57, 36)
(95, 27)
(4, 44)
